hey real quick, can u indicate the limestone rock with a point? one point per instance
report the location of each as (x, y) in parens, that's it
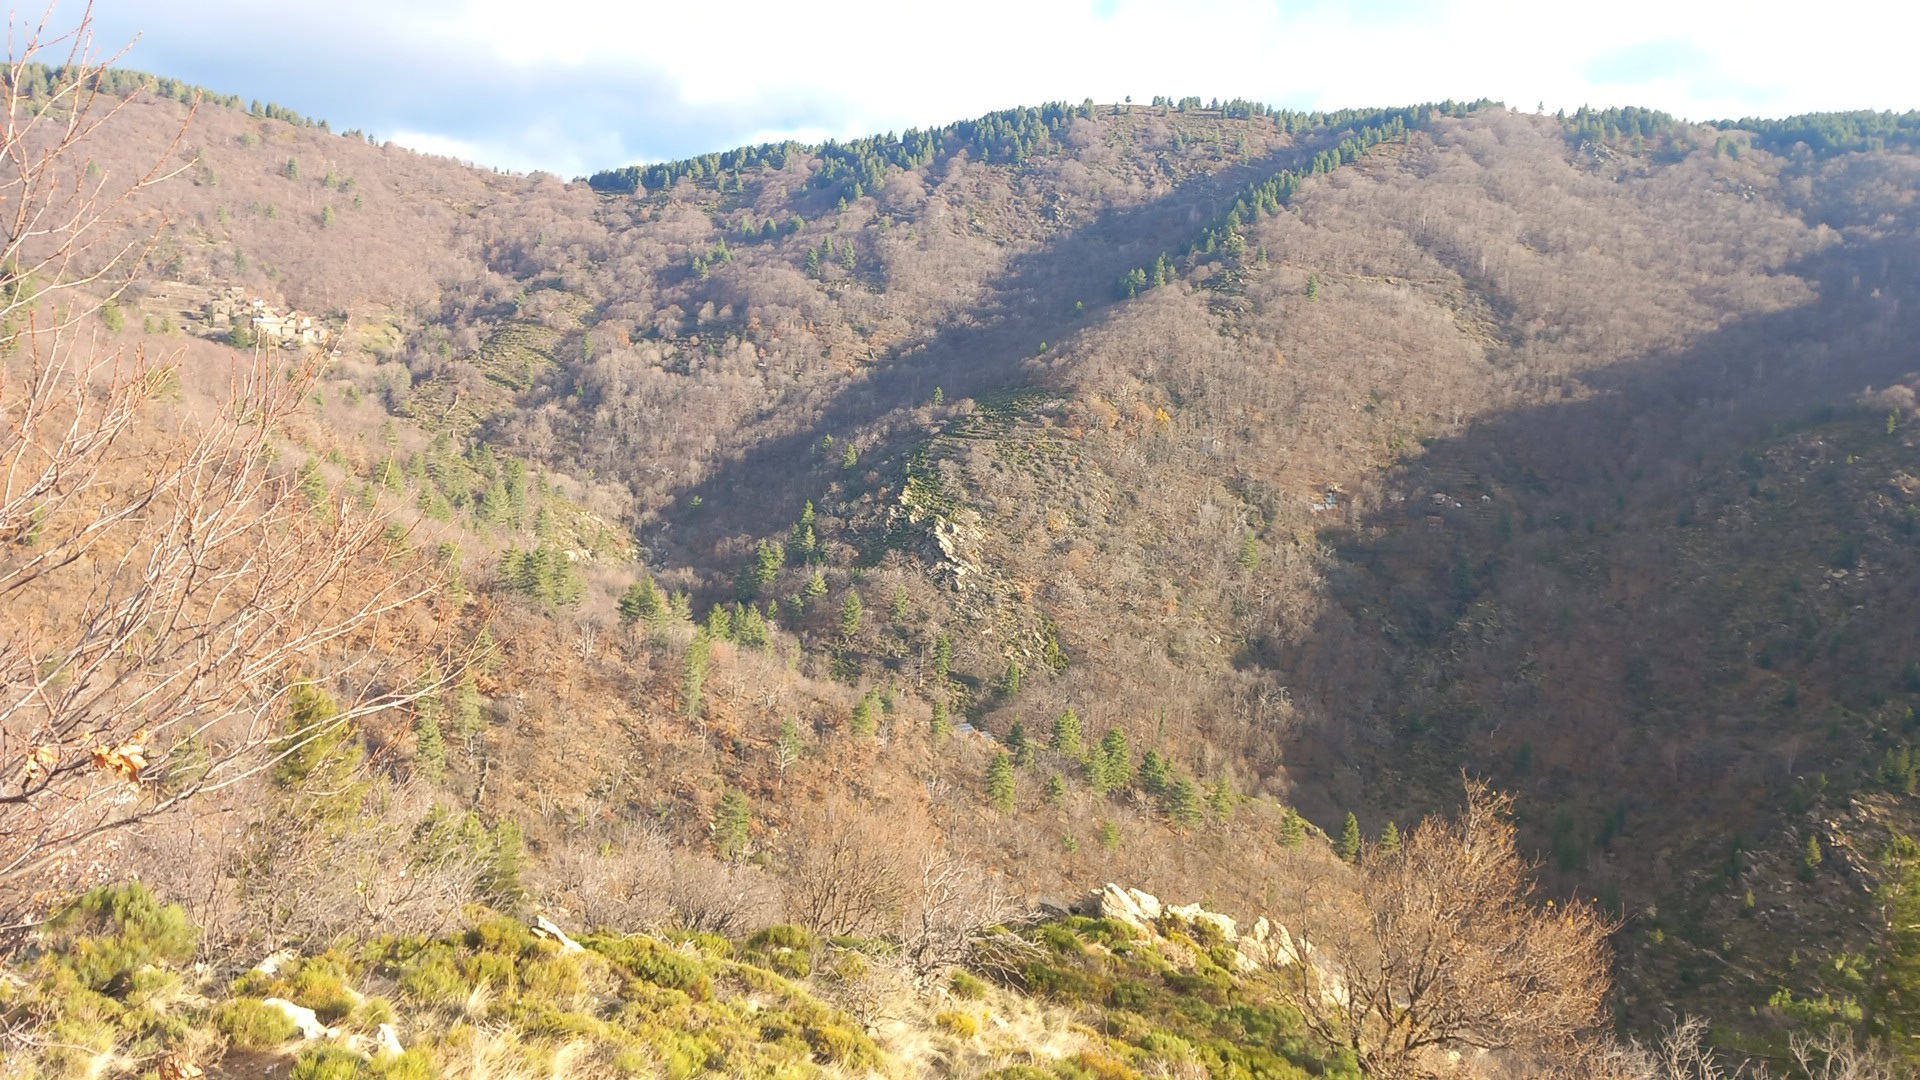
(543, 927)
(303, 1018)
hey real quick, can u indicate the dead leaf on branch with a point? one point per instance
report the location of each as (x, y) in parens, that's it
(126, 760)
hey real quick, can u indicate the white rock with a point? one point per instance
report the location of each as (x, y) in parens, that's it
(544, 927)
(390, 1040)
(304, 1019)
(1148, 903)
(275, 961)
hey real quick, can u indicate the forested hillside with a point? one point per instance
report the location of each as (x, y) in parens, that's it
(892, 537)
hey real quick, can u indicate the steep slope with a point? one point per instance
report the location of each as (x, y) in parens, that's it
(1450, 452)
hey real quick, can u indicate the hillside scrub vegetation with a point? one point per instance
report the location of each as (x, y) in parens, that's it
(884, 538)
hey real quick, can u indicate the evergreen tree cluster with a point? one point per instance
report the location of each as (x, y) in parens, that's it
(1832, 133)
(543, 572)
(38, 80)
(1608, 125)
(853, 168)
(1365, 129)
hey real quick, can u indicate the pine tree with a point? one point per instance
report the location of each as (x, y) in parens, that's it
(429, 744)
(1056, 789)
(850, 612)
(693, 675)
(1249, 553)
(1221, 799)
(941, 725)
(901, 605)
(1018, 743)
(1293, 831)
(1390, 840)
(750, 627)
(464, 706)
(802, 544)
(720, 623)
(732, 821)
(942, 657)
(1349, 846)
(1810, 864)
(1183, 803)
(1066, 734)
(1156, 772)
(863, 722)
(1113, 764)
(1001, 782)
(1109, 835)
(760, 571)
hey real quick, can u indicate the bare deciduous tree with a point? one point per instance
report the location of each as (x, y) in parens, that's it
(1442, 947)
(164, 579)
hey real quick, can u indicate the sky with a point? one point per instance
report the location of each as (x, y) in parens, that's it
(573, 86)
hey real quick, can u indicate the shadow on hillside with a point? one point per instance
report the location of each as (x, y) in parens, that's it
(983, 351)
(1514, 586)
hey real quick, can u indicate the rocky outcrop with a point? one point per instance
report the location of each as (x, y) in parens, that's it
(1263, 945)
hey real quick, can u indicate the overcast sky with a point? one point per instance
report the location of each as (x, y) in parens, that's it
(572, 86)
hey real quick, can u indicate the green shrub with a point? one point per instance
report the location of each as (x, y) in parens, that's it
(552, 978)
(967, 987)
(414, 1064)
(957, 1023)
(782, 936)
(253, 1024)
(1127, 994)
(112, 931)
(645, 958)
(433, 978)
(373, 1012)
(326, 1061)
(842, 1046)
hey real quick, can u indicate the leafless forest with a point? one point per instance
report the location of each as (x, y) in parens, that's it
(749, 522)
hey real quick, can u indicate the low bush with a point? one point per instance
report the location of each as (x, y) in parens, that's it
(253, 1024)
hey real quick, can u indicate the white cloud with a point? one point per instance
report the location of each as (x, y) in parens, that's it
(561, 82)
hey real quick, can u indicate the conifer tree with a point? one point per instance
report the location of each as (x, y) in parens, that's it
(732, 822)
(1056, 789)
(693, 675)
(1221, 799)
(802, 544)
(429, 744)
(642, 600)
(850, 612)
(1114, 762)
(1156, 772)
(1390, 840)
(1001, 782)
(863, 722)
(1066, 735)
(1293, 831)
(940, 725)
(1020, 746)
(719, 623)
(750, 627)
(1348, 847)
(1183, 802)
(942, 657)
